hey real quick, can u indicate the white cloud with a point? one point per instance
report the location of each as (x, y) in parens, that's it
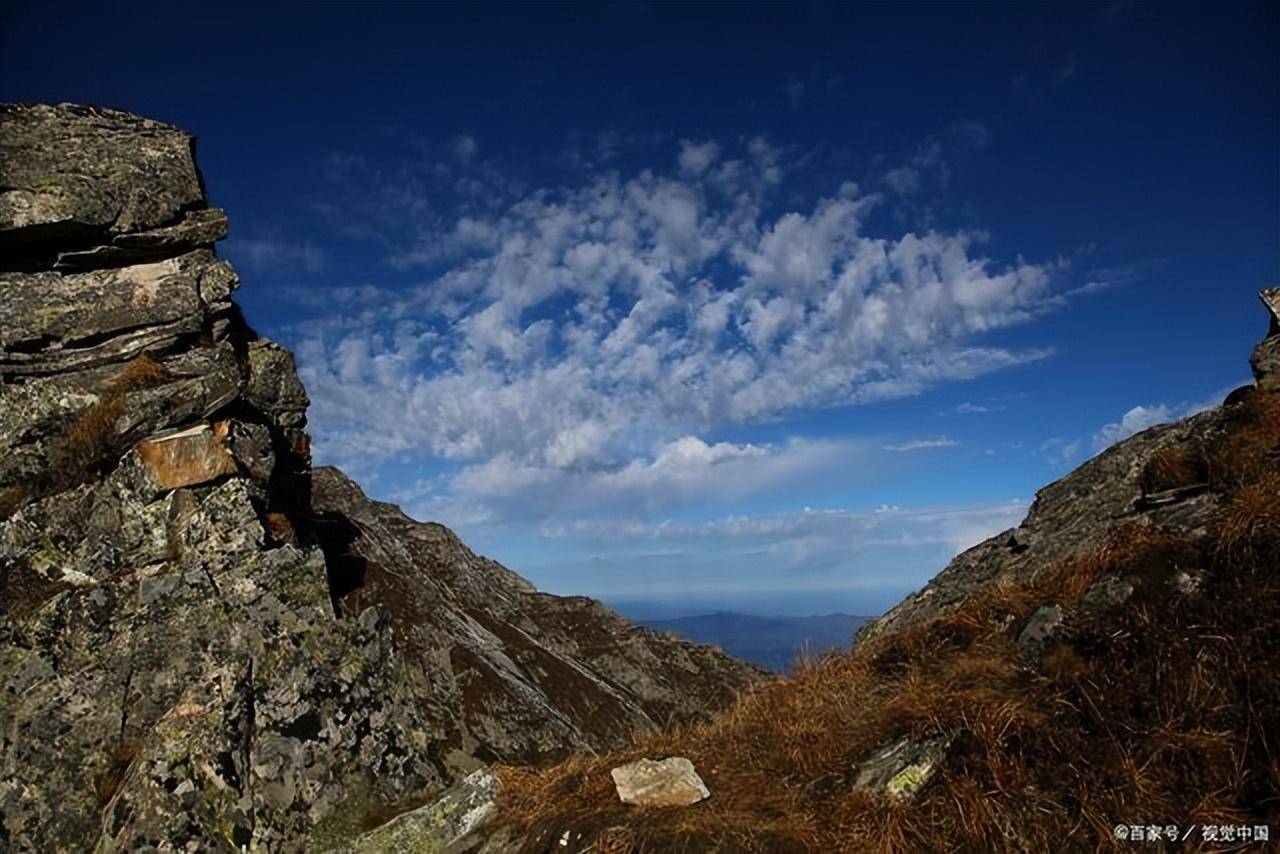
(809, 536)
(1140, 418)
(696, 158)
(920, 444)
(679, 472)
(576, 336)
(1134, 421)
(968, 408)
(910, 177)
(277, 255)
(464, 148)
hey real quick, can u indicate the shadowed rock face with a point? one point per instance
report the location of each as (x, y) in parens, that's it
(517, 675)
(194, 654)
(1071, 516)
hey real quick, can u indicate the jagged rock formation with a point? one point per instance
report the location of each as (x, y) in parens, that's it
(1265, 360)
(195, 653)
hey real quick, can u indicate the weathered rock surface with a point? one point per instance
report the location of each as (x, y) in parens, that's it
(189, 457)
(901, 769)
(1265, 360)
(517, 675)
(670, 782)
(193, 654)
(444, 825)
(72, 175)
(1045, 625)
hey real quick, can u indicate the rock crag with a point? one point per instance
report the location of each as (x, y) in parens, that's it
(205, 645)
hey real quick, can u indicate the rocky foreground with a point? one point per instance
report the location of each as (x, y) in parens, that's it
(205, 644)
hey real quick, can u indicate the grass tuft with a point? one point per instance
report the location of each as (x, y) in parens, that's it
(91, 442)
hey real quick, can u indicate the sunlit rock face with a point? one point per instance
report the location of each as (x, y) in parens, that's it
(204, 644)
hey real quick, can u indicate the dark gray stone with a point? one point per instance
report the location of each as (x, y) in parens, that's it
(1043, 626)
(1265, 360)
(196, 229)
(1105, 594)
(74, 175)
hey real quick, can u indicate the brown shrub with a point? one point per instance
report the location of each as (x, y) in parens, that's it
(1174, 467)
(1250, 526)
(12, 498)
(1251, 446)
(91, 441)
(112, 776)
(139, 374)
(279, 528)
(87, 444)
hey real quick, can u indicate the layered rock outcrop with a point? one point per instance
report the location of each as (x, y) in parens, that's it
(203, 644)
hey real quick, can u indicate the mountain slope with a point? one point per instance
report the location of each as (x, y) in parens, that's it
(775, 643)
(517, 675)
(1112, 661)
(195, 652)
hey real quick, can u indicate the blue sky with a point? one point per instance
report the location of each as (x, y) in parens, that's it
(760, 307)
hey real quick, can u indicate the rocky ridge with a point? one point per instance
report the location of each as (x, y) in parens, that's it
(205, 644)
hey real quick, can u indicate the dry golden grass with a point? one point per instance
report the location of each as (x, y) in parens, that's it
(1165, 710)
(1180, 465)
(11, 498)
(91, 441)
(138, 374)
(86, 445)
(109, 780)
(279, 528)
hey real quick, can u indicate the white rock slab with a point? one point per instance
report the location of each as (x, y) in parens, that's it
(668, 782)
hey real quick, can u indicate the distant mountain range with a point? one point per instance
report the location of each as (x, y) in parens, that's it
(770, 642)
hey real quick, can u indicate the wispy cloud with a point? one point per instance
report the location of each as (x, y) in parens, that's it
(921, 444)
(808, 537)
(795, 92)
(968, 408)
(276, 255)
